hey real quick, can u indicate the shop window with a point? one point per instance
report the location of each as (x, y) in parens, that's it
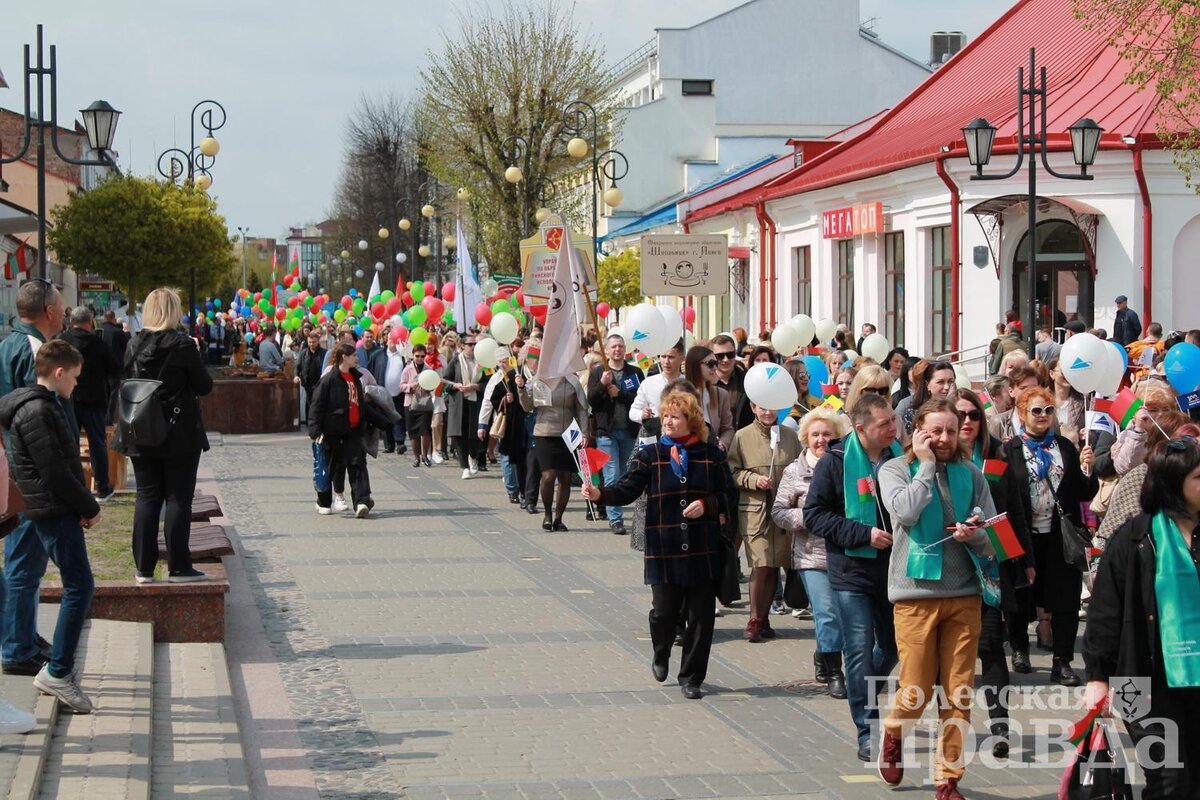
(845, 280)
(694, 87)
(802, 274)
(893, 278)
(940, 291)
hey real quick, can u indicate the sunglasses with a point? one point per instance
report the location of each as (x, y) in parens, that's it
(1181, 444)
(46, 287)
(725, 356)
(711, 363)
(882, 391)
(973, 415)
(1041, 411)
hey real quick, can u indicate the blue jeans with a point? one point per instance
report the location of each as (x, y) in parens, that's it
(509, 471)
(93, 421)
(62, 537)
(24, 566)
(869, 651)
(824, 610)
(618, 445)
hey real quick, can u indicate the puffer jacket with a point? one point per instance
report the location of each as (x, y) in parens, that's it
(808, 551)
(45, 455)
(171, 357)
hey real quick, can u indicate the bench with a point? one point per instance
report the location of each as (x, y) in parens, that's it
(205, 507)
(205, 542)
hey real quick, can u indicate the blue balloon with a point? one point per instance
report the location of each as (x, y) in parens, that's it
(353, 292)
(1182, 366)
(209, 306)
(358, 329)
(249, 338)
(818, 373)
(1124, 353)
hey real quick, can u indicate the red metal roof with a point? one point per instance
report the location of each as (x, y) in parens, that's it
(1084, 76)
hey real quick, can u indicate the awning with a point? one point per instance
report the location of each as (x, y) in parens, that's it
(660, 216)
(16, 219)
(739, 252)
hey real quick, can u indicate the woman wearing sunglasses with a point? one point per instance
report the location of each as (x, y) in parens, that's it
(869, 380)
(1016, 574)
(1057, 480)
(700, 369)
(1143, 617)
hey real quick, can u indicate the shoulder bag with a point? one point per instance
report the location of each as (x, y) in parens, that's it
(142, 416)
(499, 420)
(1076, 541)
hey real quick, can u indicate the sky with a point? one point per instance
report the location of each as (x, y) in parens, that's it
(290, 73)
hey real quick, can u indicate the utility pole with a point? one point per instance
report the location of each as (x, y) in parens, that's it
(243, 231)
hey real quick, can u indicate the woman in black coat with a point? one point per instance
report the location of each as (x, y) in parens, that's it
(337, 420)
(1047, 465)
(502, 396)
(685, 481)
(167, 473)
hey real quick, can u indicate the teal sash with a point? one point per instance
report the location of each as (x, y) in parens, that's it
(862, 507)
(1177, 588)
(925, 557)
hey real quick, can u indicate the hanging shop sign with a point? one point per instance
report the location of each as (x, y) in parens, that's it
(685, 264)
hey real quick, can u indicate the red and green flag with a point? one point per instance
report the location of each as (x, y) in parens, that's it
(1081, 729)
(866, 490)
(644, 361)
(592, 462)
(993, 469)
(828, 389)
(294, 263)
(1003, 538)
(986, 399)
(1124, 406)
(532, 356)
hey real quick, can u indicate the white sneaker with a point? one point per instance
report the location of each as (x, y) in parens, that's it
(467, 474)
(323, 511)
(340, 504)
(362, 511)
(14, 720)
(472, 466)
(438, 458)
(65, 689)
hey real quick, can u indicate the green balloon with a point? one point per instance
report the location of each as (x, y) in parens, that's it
(419, 336)
(264, 304)
(448, 318)
(339, 315)
(358, 306)
(308, 301)
(418, 291)
(387, 295)
(416, 316)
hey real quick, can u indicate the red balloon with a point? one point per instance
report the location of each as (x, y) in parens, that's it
(347, 302)
(448, 292)
(281, 314)
(483, 314)
(520, 295)
(434, 307)
(400, 334)
(287, 280)
(378, 310)
(293, 302)
(602, 310)
(539, 313)
(257, 296)
(407, 299)
(254, 325)
(429, 289)
(393, 307)
(689, 317)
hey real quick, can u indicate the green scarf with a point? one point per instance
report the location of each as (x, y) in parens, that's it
(860, 494)
(1177, 588)
(926, 564)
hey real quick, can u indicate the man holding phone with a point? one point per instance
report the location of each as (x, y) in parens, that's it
(612, 390)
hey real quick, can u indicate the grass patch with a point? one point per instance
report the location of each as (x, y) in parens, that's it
(109, 542)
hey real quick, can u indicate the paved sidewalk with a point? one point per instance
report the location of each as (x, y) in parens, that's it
(449, 648)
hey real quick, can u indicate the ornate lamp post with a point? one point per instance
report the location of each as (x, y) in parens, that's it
(979, 134)
(196, 162)
(580, 120)
(99, 120)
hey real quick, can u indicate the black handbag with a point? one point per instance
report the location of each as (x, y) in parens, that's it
(1095, 773)
(794, 594)
(142, 416)
(1076, 542)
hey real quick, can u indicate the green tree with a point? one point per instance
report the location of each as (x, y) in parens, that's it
(142, 234)
(508, 72)
(1160, 39)
(620, 279)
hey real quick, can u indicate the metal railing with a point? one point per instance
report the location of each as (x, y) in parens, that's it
(644, 52)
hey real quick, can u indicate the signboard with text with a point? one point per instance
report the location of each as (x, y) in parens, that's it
(846, 223)
(539, 257)
(685, 264)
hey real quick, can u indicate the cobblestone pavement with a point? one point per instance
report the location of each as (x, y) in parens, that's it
(448, 648)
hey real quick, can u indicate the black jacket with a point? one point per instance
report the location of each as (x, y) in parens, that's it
(45, 455)
(825, 516)
(609, 413)
(100, 367)
(309, 366)
(116, 337)
(172, 357)
(329, 413)
(743, 415)
(1005, 497)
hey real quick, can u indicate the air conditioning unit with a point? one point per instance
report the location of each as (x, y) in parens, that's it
(943, 44)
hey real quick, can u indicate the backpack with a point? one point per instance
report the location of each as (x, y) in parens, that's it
(142, 417)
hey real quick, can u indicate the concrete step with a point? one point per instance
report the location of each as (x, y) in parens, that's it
(197, 749)
(23, 757)
(107, 753)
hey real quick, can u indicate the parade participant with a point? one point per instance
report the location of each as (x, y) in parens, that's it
(1057, 479)
(933, 585)
(644, 409)
(308, 368)
(463, 381)
(612, 390)
(395, 435)
(1143, 616)
(912, 369)
(870, 380)
(700, 370)
(1068, 403)
(1004, 426)
(806, 402)
(730, 377)
(418, 407)
(557, 402)
(757, 458)
(844, 379)
(339, 418)
(500, 397)
(435, 360)
(894, 362)
(684, 480)
(818, 428)
(937, 380)
(843, 508)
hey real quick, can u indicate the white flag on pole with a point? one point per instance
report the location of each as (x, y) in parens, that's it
(468, 294)
(561, 355)
(374, 290)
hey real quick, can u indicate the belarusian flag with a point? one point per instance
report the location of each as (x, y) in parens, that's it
(1003, 538)
(986, 399)
(993, 468)
(828, 388)
(294, 263)
(1083, 727)
(1124, 406)
(866, 490)
(594, 460)
(532, 357)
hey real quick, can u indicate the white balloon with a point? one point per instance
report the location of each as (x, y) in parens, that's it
(672, 325)
(489, 287)
(689, 341)
(961, 379)
(785, 339)
(1114, 371)
(429, 380)
(825, 330)
(487, 353)
(617, 330)
(875, 347)
(851, 357)
(1084, 362)
(504, 327)
(805, 326)
(770, 386)
(646, 329)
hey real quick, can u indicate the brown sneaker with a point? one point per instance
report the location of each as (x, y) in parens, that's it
(891, 757)
(753, 632)
(948, 791)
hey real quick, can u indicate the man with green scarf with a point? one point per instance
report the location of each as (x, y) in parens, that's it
(843, 508)
(936, 497)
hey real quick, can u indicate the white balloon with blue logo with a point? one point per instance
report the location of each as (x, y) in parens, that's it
(770, 386)
(1084, 362)
(645, 330)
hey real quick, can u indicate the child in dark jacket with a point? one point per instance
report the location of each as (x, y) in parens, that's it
(45, 464)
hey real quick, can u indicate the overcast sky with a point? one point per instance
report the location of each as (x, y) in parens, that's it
(289, 73)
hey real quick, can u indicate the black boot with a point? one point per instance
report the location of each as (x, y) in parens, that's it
(837, 679)
(822, 665)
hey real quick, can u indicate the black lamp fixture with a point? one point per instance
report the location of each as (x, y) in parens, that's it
(100, 122)
(979, 134)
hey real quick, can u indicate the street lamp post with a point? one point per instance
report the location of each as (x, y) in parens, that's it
(610, 165)
(242, 232)
(979, 134)
(196, 162)
(99, 120)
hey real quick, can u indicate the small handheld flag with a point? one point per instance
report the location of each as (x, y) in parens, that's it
(828, 389)
(1124, 407)
(644, 361)
(866, 490)
(1083, 727)
(1003, 538)
(986, 399)
(532, 356)
(833, 402)
(592, 461)
(993, 469)
(573, 436)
